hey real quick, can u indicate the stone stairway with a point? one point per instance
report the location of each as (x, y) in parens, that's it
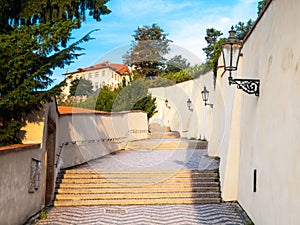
(137, 187)
(158, 131)
(168, 134)
(165, 144)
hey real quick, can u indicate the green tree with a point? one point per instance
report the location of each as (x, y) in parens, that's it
(81, 87)
(212, 36)
(243, 28)
(135, 97)
(131, 97)
(34, 40)
(147, 51)
(212, 52)
(106, 98)
(261, 5)
(176, 64)
(146, 104)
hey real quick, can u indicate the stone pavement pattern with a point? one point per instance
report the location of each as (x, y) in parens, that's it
(190, 159)
(221, 214)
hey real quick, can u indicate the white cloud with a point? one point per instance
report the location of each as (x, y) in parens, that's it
(189, 31)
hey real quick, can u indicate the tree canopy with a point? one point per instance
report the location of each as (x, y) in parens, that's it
(81, 87)
(34, 40)
(213, 50)
(148, 50)
(176, 64)
(260, 6)
(243, 28)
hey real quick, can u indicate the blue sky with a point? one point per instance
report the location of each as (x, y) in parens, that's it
(185, 22)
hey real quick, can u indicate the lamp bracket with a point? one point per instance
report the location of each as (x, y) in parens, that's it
(250, 86)
(211, 105)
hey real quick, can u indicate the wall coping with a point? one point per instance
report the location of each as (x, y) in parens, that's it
(67, 110)
(18, 147)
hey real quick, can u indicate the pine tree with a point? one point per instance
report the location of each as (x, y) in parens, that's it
(34, 40)
(147, 52)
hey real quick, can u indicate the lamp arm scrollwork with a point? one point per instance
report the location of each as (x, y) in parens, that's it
(250, 86)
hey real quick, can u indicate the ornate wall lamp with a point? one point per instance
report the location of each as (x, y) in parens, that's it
(189, 104)
(205, 95)
(167, 104)
(231, 48)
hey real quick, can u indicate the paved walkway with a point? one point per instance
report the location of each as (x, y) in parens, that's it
(155, 160)
(222, 214)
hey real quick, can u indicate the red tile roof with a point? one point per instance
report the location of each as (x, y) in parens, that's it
(74, 110)
(69, 110)
(119, 68)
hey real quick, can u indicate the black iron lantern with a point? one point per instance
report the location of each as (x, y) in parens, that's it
(231, 49)
(167, 103)
(189, 104)
(205, 95)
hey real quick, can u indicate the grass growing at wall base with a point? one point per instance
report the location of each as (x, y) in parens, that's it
(43, 215)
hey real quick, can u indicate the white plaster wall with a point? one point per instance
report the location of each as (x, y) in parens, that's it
(190, 124)
(225, 138)
(17, 204)
(262, 133)
(271, 123)
(97, 135)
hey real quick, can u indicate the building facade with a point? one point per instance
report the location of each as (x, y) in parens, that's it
(102, 74)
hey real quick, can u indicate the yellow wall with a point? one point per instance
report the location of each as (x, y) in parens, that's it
(34, 132)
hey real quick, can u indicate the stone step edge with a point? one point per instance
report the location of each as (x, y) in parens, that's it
(82, 171)
(135, 180)
(136, 196)
(137, 190)
(137, 176)
(71, 186)
(139, 202)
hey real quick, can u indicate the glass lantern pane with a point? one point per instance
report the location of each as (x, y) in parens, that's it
(226, 56)
(236, 48)
(206, 95)
(189, 102)
(203, 95)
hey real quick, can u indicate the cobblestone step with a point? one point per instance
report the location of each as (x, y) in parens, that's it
(161, 144)
(80, 187)
(152, 195)
(120, 185)
(121, 202)
(136, 190)
(138, 175)
(139, 181)
(138, 172)
(164, 135)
